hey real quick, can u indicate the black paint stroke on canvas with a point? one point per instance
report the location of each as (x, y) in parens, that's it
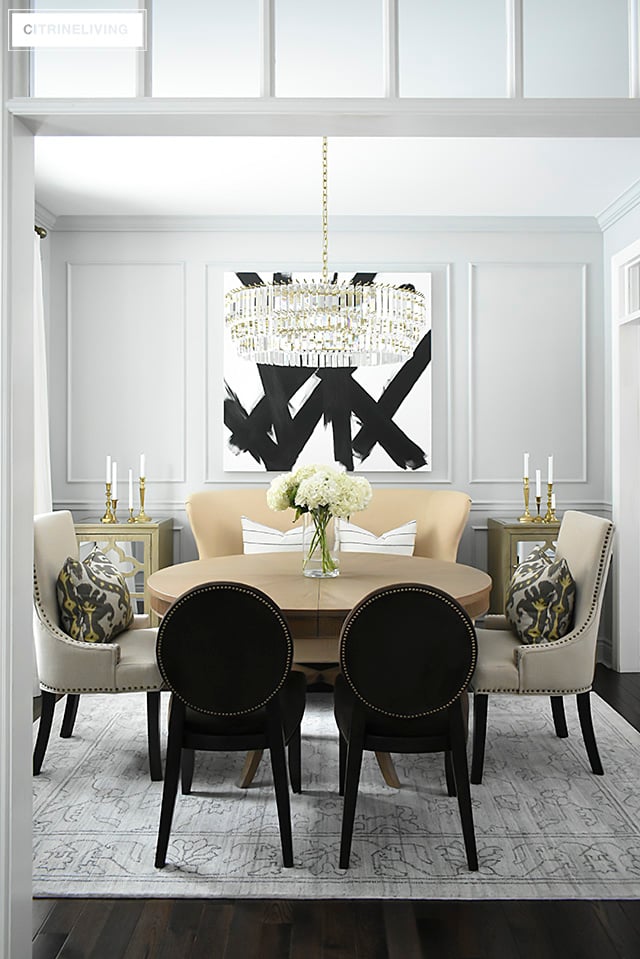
(275, 437)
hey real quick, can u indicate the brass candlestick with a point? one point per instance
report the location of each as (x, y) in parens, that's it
(550, 516)
(142, 516)
(114, 506)
(131, 516)
(109, 515)
(526, 516)
(538, 517)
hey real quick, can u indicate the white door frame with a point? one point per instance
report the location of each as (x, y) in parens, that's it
(625, 441)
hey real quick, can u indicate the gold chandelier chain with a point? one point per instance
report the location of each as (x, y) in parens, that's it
(325, 220)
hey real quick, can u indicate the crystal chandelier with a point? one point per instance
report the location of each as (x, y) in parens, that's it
(325, 323)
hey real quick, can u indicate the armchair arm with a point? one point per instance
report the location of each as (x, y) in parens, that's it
(495, 621)
(67, 665)
(564, 666)
(141, 621)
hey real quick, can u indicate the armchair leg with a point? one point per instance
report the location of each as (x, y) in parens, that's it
(281, 785)
(559, 719)
(170, 788)
(44, 730)
(586, 724)
(354, 750)
(153, 735)
(480, 709)
(294, 756)
(70, 713)
(449, 774)
(342, 761)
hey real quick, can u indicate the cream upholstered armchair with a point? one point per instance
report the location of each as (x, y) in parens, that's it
(556, 669)
(441, 516)
(67, 666)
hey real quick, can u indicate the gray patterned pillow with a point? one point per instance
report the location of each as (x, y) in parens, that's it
(93, 598)
(540, 598)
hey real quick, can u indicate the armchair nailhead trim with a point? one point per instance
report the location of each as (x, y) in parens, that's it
(101, 689)
(412, 589)
(240, 588)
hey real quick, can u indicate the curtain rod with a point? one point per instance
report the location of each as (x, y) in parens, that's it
(40, 230)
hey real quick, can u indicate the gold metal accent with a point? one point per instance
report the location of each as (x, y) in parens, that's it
(131, 516)
(325, 218)
(114, 507)
(526, 516)
(142, 516)
(549, 516)
(40, 230)
(538, 518)
(109, 515)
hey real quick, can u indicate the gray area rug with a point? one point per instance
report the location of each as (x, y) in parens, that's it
(545, 826)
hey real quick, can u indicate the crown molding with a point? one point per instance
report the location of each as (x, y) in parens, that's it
(625, 203)
(338, 224)
(44, 217)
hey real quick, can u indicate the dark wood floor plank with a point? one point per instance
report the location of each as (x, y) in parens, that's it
(88, 928)
(40, 909)
(579, 931)
(306, 932)
(149, 934)
(181, 928)
(531, 930)
(116, 932)
(245, 930)
(338, 930)
(274, 941)
(369, 929)
(403, 940)
(47, 945)
(618, 923)
(213, 931)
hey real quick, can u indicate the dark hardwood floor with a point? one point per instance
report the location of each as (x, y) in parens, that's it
(343, 929)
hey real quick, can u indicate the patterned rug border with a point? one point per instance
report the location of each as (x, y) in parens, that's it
(579, 856)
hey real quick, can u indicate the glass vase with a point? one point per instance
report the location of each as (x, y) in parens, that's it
(321, 545)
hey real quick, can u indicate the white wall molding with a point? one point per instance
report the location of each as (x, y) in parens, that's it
(620, 207)
(338, 224)
(44, 217)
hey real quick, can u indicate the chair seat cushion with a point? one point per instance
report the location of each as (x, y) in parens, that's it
(93, 599)
(292, 702)
(137, 667)
(496, 669)
(379, 724)
(540, 598)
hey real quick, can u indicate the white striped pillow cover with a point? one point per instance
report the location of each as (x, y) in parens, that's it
(400, 540)
(257, 538)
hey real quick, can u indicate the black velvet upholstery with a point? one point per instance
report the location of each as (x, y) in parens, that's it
(415, 702)
(225, 652)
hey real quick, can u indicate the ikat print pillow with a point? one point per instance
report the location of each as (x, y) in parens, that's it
(93, 598)
(541, 598)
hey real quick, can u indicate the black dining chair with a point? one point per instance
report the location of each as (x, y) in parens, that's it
(225, 652)
(417, 703)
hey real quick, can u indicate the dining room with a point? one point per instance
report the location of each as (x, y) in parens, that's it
(521, 399)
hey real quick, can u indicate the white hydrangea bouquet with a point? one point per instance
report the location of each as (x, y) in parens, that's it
(323, 492)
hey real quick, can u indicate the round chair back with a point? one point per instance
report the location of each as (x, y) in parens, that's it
(408, 650)
(224, 648)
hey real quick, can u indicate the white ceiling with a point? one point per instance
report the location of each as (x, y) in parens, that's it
(211, 176)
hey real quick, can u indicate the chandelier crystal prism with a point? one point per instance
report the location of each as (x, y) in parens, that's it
(325, 323)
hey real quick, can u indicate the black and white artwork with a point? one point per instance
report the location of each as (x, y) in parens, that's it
(369, 418)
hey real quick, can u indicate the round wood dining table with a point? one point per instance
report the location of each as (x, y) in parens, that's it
(316, 608)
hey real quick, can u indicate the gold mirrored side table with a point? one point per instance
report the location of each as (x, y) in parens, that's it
(508, 542)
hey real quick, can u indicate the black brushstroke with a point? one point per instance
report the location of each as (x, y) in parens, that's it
(395, 393)
(336, 390)
(243, 438)
(402, 450)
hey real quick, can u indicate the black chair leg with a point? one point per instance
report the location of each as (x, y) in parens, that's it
(294, 756)
(586, 724)
(449, 774)
(70, 713)
(44, 730)
(480, 709)
(172, 775)
(459, 758)
(187, 764)
(281, 784)
(342, 761)
(559, 719)
(153, 735)
(354, 750)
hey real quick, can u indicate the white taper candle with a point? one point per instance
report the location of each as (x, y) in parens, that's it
(108, 480)
(114, 481)
(142, 465)
(550, 469)
(538, 486)
(526, 466)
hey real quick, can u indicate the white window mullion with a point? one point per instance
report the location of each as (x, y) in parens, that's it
(390, 48)
(634, 59)
(267, 49)
(515, 68)
(144, 59)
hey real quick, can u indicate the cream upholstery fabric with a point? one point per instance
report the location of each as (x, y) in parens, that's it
(126, 664)
(441, 516)
(566, 665)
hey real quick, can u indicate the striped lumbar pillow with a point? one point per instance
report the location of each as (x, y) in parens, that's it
(401, 540)
(257, 538)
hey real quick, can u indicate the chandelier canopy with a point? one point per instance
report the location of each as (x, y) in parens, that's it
(325, 323)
